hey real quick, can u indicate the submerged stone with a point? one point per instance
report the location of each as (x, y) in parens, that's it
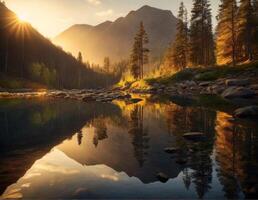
(250, 111)
(170, 150)
(162, 177)
(237, 82)
(194, 136)
(238, 92)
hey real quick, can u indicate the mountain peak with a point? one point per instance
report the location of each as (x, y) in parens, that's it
(147, 8)
(148, 11)
(118, 35)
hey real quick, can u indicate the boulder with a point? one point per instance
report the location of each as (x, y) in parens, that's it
(194, 136)
(60, 95)
(204, 84)
(237, 82)
(254, 87)
(5, 94)
(245, 112)
(162, 177)
(238, 92)
(190, 83)
(88, 98)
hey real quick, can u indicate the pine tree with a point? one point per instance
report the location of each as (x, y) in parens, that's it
(139, 56)
(226, 33)
(79, 58)
(180, 45)
(245, 30)
(107, 64)
(201, 36)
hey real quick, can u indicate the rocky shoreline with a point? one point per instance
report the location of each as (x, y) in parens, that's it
(86, 95)
(226, 88)
(229, 89)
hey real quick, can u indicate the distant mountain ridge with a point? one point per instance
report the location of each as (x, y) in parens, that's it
(114, 39)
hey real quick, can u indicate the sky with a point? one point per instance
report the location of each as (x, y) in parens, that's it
(51, 17)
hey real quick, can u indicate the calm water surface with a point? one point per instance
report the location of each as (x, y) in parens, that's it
(69, 149)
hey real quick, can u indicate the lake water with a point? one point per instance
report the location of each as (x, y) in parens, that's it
(70, 149)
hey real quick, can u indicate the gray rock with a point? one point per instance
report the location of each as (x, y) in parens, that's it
(250, 111)
(5, 94)
(218, 89)
(61, 95)
(204, 84)
(194, 136)
(254, 87)
(237, 82)
(190, 83)
(88, 98)
(238, 92)
(162, 177)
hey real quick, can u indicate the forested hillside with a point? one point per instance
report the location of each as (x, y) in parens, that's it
(26, 54)
(233, 42)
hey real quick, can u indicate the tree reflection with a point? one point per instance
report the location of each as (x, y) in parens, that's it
(185, 119)
(139, 134)
(100, 132)
(236, 153)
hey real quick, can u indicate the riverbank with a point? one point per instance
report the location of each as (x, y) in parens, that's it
(225, 81)
(210, 87)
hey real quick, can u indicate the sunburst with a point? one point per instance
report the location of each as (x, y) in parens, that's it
(22, 18)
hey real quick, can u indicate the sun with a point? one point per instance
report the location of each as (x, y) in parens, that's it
(22, 18)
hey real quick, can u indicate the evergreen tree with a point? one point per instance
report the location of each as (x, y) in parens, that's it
(226, 32)
(79, 58)
(139, 56)
(245, 30)
(201, 36)
(107, 64)
(180, 45)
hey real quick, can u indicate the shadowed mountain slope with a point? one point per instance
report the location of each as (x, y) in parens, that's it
(25, 53)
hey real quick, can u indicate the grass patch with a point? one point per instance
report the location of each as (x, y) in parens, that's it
(205, 74)
(187, 74)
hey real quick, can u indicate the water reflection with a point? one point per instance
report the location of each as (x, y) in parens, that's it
(116, 151)
(236, 153)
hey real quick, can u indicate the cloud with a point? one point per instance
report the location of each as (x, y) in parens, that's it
(94, 2)
(105, 13)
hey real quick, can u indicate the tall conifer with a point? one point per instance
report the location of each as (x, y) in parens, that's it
(180, 45)
(245, 31)
(201, 36)
(226, 42)
(139, 56)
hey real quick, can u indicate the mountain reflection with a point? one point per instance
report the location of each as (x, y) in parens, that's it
(113, 150)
